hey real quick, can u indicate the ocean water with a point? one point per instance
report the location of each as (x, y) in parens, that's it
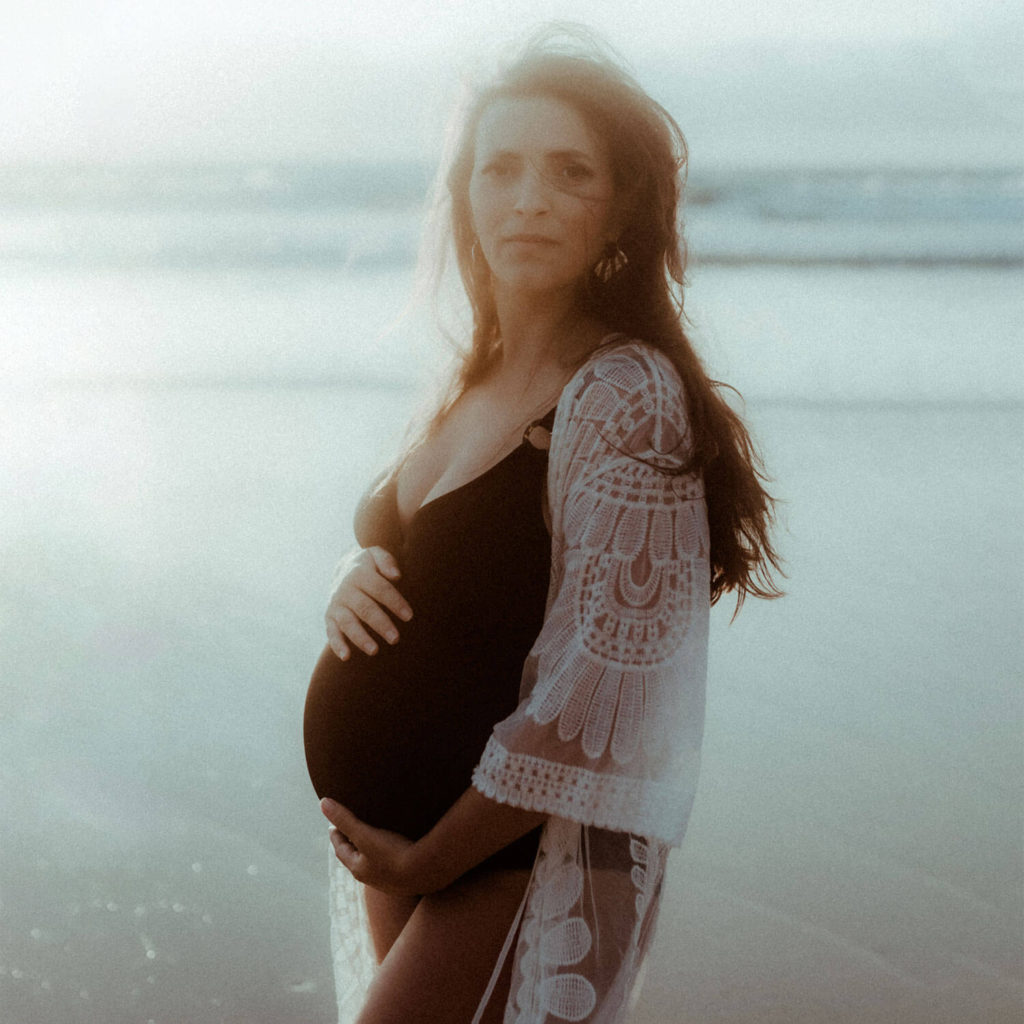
(199, 371)
(232, 215)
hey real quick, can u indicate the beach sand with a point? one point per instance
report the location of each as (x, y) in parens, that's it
(855, 850)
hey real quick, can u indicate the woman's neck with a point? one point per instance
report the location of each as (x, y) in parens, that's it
(540, 335)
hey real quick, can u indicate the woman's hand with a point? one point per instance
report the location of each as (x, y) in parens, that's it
(380, 859)
(472, 829)
(362, 592)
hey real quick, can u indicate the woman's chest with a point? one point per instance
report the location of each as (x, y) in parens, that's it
(474, 437)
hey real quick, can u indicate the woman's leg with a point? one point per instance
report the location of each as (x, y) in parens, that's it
(388, 916)
(440, 964)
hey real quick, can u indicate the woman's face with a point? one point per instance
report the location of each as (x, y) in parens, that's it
(541, 195)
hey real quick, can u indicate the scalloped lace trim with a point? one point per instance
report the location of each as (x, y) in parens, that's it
(567, 791)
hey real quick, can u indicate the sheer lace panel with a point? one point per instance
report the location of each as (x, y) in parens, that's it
(609, 727)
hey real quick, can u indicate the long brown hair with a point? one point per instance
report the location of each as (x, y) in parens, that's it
(645, 299)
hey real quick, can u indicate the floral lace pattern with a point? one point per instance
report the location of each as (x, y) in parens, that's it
(588, 924)
(610, 723)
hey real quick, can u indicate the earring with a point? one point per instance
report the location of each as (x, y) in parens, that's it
(476, 255)
(612, 260)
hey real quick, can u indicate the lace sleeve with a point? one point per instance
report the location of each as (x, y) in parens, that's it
(609, 725)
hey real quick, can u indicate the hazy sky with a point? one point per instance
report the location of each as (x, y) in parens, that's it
(225, 79)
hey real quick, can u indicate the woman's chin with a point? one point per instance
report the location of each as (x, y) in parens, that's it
(532, 283)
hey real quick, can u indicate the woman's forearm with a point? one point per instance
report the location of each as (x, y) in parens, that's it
(472, 829)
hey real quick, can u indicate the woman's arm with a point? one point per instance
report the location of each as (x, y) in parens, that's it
(472, 829)
(609, 729)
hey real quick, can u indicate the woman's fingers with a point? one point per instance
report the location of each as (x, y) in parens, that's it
(385, 594)
(385, 563)
(353, 629)
(375, 856)
(343, 849)
(344, 627)
(343, 824)
(369, 613)
(346, 825)
(366, 609)
(335, 639)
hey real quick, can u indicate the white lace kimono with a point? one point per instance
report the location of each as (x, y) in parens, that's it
(606, 738)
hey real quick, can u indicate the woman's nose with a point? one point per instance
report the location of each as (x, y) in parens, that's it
(532, 194)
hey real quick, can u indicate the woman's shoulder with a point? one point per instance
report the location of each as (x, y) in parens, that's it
(627, 396)
(625, 372)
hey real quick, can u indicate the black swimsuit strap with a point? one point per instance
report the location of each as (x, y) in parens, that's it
(549, 420)
(546, 423)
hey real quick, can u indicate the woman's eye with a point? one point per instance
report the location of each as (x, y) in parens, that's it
(576, 173)
(497, 170)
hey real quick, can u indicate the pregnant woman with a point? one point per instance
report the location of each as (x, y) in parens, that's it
(505, 726)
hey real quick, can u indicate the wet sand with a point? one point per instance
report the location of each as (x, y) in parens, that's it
(854, 855)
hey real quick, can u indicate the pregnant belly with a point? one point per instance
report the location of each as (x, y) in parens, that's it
(395, 737)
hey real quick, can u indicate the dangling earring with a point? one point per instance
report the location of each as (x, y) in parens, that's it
(476, 256)
(612, 260)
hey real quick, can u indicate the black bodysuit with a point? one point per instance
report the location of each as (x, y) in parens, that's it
(395, 736)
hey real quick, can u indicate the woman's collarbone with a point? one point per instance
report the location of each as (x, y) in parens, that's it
(470, 442)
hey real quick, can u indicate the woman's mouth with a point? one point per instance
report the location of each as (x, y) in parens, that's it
(527, 239)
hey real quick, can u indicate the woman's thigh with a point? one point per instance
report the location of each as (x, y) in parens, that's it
(388, 915)
(438, 968)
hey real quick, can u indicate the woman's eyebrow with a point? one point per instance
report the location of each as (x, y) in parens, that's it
(568, 154)
(551, 154)
(501, 154)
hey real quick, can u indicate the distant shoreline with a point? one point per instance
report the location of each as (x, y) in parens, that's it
(401, 182)
(369, 215)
